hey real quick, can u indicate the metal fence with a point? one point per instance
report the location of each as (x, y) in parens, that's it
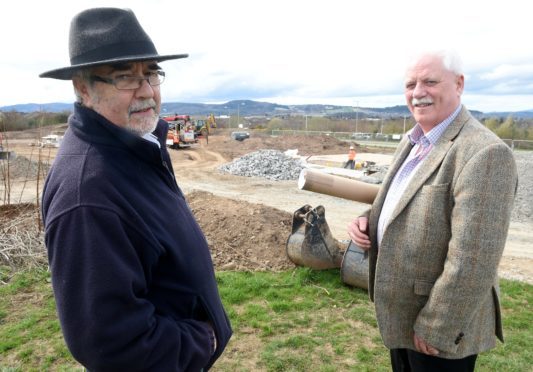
(289, 132)
(345, 136)
(519, 144)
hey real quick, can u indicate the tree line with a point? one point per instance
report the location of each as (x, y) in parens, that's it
(505, 128)
(17, 121)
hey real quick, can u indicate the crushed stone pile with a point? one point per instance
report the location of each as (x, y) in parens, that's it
(271, 164)
(523, 205)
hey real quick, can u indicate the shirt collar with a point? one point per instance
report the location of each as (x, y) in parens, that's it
(417, 135)
(152, 138)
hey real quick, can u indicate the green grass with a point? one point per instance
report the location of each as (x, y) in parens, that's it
(516, 354)
(299, 320)
(30, 335)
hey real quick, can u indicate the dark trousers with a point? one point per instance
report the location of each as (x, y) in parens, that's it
(350, 164)
(406, 360)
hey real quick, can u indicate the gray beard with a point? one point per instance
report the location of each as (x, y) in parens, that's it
(147, 125)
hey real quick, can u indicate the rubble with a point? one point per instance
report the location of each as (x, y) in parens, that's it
(271, 164)
(276, 165)
(523, 207)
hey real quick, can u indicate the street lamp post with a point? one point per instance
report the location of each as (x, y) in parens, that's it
(356, 117)
(238, 113)
(229, 117)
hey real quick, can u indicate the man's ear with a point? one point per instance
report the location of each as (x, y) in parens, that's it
(81, 87)
(460, 83)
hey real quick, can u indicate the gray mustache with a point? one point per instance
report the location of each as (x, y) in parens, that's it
(149, 103)
(416, 101)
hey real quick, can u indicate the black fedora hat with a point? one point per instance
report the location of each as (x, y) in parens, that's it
(102, 36)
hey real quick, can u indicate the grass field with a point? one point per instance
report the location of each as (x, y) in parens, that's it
(299, 320)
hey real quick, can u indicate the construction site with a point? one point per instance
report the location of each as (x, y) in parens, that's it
(244, 197)
(262, 220)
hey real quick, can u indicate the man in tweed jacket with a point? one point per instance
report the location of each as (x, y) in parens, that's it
(437, 229)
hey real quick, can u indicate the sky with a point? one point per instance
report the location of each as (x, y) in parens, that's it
(345, 52)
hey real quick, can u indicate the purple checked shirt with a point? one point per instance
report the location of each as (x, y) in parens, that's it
(422, 145)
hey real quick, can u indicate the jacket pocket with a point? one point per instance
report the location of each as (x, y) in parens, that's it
(200, 311)
(423, 287)
(438, 188)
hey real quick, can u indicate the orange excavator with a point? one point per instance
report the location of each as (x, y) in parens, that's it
(181, 131)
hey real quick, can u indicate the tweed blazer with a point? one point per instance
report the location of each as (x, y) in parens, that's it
(435, 272)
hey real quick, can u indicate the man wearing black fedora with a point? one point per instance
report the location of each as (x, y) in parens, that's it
(131, 270)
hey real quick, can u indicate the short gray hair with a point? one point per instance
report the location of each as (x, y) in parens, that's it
(84, 75)
(452, 61)
(449, 57)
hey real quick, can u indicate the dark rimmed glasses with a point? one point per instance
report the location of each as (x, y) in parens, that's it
(132, 82)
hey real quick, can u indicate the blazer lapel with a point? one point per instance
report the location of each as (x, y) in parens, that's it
(431, 163)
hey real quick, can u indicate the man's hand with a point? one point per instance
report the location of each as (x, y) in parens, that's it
(358, 232)
(423, 347)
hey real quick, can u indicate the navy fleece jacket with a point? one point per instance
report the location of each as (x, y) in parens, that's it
(131, 270)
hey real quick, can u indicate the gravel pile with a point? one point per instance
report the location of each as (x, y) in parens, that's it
(271, 164)
(523, 205)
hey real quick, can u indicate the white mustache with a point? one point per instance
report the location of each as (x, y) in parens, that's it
(425, 100)
(142, 105)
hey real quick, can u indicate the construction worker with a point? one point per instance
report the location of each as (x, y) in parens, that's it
(350, 164)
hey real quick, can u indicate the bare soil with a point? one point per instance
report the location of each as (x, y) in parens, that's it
(247, 220)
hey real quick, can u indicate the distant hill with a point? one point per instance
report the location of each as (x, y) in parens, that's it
(244, 107)
(255, 108)
(528, 114)
(36, 107)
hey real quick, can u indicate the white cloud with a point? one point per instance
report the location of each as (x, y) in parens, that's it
(312, 51)
(509, 71)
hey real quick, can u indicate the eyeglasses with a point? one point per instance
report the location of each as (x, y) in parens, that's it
(132, 82)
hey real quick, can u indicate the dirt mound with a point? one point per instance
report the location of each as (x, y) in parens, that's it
(241, 235)
(243, 232)
(306, 145)
(23, 168)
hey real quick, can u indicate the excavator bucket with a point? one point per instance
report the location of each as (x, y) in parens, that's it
(311, 243)
(354, 267)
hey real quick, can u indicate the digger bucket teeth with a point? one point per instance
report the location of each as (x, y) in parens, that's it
(311, 243)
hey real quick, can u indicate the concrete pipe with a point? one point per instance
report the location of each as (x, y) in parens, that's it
(337, 186)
